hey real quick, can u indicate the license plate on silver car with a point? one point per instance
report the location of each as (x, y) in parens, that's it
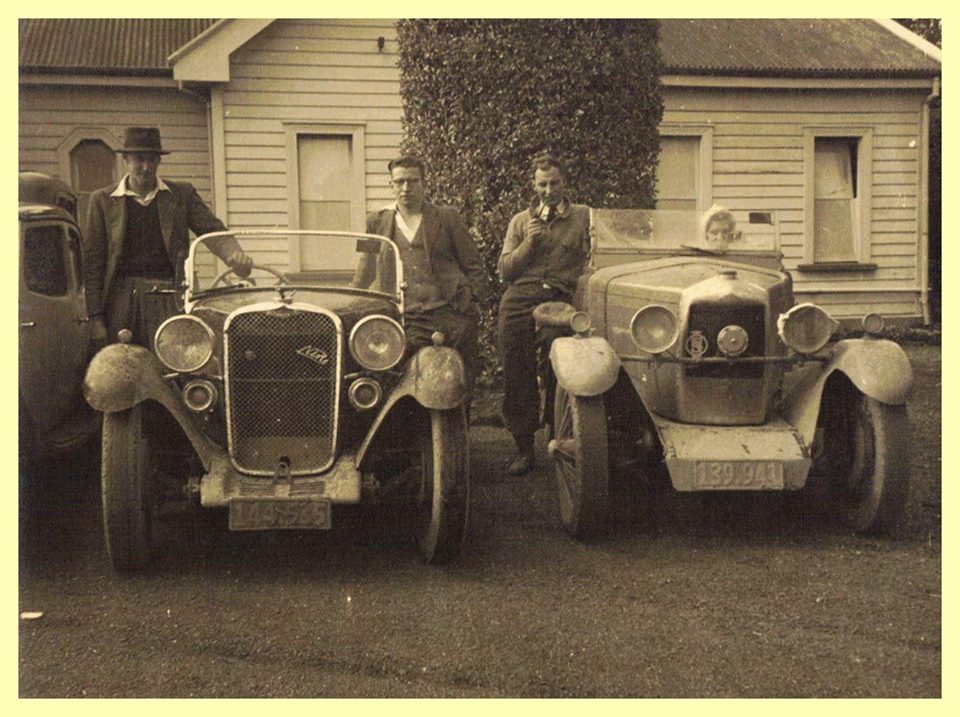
(738, 475)
(279, 513)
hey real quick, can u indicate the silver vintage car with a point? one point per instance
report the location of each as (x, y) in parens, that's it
(693, 356)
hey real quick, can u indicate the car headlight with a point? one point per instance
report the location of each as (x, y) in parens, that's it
(806, 328)
(654, 328)
(183, 343)
(377, 343)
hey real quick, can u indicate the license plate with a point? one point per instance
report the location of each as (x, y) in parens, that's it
(279, 513)
(738, 475)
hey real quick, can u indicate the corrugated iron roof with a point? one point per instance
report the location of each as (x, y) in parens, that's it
(731, 47)
(789, 47)
(136, 46)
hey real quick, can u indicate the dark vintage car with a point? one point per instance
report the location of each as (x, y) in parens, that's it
(693, 356)
(54, 327)
(281, 396)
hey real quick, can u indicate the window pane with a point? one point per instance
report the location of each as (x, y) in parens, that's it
(325, 172)
(678, 172)
(44, 268)
(93, 164)
(834, 198)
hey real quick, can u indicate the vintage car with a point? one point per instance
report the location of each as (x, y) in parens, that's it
(281, 396)
(693, 356)
(54, 326)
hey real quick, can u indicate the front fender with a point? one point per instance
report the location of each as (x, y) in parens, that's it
(434, 377)
(122, 375)
(584, 366)
(877, 367)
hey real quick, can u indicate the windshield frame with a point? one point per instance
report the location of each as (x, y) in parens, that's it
(191, 297)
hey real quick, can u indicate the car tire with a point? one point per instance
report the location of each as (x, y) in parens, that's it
(443, 496)
(580, 456)
(127, 498)
(870, 466)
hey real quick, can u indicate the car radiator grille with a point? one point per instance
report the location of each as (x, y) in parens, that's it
(282, 371)
(710, 319)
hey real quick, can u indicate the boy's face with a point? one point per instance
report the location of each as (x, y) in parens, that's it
(720, 230)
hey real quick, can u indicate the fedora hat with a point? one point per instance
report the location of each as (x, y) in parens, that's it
(142, 139)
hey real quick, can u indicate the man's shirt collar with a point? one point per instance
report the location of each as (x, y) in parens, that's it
(123, 190)
(539, 209)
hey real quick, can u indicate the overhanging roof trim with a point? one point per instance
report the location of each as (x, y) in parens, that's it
(206, 58)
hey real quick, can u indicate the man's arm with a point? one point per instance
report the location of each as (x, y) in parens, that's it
(201, 220)
(466, 252)
(519, 246)
(95, 255)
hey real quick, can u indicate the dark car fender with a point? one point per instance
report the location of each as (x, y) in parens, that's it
(122, 375)
(584, 365)
(434, 378)
(877, 367)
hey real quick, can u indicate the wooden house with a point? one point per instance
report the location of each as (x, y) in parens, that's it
(823, 124)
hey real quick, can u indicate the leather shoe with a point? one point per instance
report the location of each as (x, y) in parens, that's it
(522, 464)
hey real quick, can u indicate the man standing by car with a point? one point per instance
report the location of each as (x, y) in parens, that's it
(441, 265)
(544, 253)
(136, 239)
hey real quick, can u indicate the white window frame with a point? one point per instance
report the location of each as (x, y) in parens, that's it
(704, 189)
(864, 199)
(358, 180)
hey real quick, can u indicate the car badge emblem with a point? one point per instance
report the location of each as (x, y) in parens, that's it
(696, 344)
(314, 354)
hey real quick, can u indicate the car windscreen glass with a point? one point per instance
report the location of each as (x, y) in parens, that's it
(666, 231)
(297, 259)
(44, 265)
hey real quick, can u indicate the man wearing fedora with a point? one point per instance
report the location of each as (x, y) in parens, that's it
(136, 240)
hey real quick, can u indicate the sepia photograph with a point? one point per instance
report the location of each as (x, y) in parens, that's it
(479, 358)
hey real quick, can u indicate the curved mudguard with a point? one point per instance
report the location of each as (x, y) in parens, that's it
(878, 368)
(584, 366)
(434, 377)
(122, 375)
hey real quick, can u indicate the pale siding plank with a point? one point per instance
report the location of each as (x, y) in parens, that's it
(241, 70)
(306, 98)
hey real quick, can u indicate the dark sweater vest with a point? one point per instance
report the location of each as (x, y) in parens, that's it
(144, 253)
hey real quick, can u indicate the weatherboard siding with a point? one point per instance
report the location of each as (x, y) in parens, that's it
(758, 164)
(312, 72)
(52, 117)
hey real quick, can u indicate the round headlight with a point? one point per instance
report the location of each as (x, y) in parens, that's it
(580, 322)
(806, 328)
(377, 343)
(183, 343)
(654, 328)
(873, 324)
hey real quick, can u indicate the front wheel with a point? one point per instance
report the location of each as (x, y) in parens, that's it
(579, 452)
(444, 486)
(125, 483)
(871, 466)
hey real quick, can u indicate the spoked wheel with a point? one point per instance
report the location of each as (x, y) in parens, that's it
(869, 450)
(579, 451)
(444, 486)
(127, 496)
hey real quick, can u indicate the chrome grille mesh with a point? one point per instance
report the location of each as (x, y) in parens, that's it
(282, 382)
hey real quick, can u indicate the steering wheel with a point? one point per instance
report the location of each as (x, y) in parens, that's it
(222, 276)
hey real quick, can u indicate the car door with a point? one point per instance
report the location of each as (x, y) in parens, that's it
(54, 330)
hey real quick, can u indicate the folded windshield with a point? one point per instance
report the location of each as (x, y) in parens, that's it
(295, 259)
